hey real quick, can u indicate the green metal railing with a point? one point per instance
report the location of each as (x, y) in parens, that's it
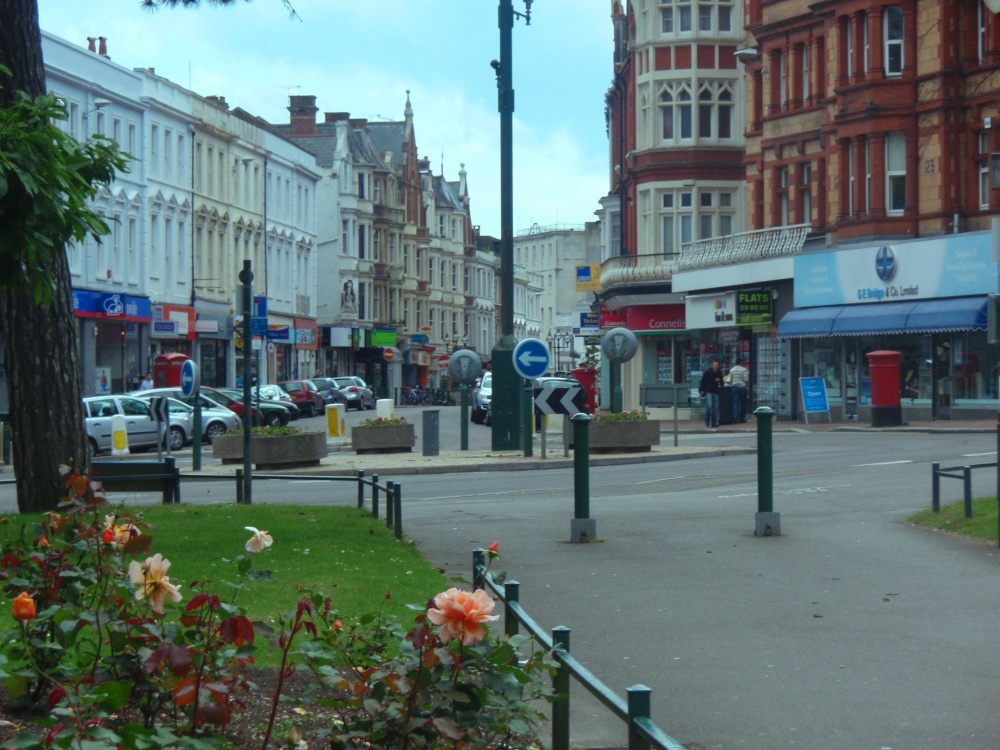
(634, 711)
(937, 471)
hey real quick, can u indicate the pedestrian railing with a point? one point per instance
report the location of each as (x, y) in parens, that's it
(937, 471)
(634, 711)
(393, 492)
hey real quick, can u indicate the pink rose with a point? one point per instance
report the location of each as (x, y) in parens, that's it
(459, 614)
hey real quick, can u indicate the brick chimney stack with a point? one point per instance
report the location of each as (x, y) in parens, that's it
(358, 123)
(102, 50)
(332, 117)
(92, 44)
(302, 110)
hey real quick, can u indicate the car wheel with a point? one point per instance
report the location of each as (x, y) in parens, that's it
(311, 411)
(214, 430)
(177, 438)
(93, 447)
(273, 420)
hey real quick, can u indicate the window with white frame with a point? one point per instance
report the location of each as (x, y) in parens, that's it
(895, 173)
(782, 78)
(806, 193)
(406, 259)
(377, 244)
(866, 49)
(892, 20)
(715, 111)
(444, 274)
(868, 176)
(805, 72)
(454, 277)
(430, 268)
(420, 263)
(727, 214)
(676, 113)
(984, 169)
(406, 312)
(783, 194)
(849, 31)
(851, 179)
(981, 30)
(420, 314)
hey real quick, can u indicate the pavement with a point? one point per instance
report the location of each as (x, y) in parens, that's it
(342, 461)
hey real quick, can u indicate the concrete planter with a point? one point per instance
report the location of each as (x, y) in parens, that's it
(277, 452)
(623, 437)
(386, 438)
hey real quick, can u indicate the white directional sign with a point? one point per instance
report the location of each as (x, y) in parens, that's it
(160, 410)
(560, 399)
(531, 358)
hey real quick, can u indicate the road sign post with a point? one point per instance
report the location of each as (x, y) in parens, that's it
(190, 385)
(531, 360)
(464, 367)
(246, 279)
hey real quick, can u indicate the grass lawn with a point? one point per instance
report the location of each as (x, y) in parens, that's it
(341, 552)
(982, 525)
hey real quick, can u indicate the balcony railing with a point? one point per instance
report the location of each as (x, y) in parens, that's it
(761, 244)
(721, 251)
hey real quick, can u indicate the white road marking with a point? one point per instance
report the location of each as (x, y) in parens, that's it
(976, 455)
(885, 463)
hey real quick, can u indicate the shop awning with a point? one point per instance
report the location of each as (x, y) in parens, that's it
(931, 316)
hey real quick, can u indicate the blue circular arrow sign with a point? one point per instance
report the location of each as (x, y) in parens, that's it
(189, 377)
(531, 358)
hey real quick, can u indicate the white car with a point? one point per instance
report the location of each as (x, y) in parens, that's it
(140, 424)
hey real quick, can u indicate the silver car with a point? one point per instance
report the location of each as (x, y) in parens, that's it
(140, 424)
(356, 392)
(215, 418)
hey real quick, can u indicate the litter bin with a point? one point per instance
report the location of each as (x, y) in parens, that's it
(884, 367)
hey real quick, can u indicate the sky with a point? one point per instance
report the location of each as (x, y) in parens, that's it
(361, 56)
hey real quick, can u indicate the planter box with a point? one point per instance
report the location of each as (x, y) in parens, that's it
(278, 452)
(622, 437)
(386, 438)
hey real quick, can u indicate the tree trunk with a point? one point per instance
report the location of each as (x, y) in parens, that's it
(40, 343)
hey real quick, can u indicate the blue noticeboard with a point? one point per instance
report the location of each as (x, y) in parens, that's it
(814, 398)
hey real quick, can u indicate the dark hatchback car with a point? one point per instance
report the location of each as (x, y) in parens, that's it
(329, 391)
(305, 395)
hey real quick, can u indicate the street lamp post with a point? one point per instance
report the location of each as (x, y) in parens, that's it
(506, 422)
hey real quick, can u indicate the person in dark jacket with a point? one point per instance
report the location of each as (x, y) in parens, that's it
(710, 389)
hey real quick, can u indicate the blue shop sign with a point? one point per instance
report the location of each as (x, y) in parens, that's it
(112, 306)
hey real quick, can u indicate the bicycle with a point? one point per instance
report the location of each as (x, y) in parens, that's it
(417, 397)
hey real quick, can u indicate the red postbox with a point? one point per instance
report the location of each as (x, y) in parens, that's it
(587, 377)
(883, 366)
(167, 369)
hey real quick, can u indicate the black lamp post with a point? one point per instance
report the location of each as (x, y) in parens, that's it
(506, 422)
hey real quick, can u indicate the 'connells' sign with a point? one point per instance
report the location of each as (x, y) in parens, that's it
(754, 308)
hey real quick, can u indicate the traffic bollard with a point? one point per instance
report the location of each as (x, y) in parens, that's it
(767, 522)
(583, 528)
(431, 433)
(464, 417)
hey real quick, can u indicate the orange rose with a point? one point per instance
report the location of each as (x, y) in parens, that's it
(24, 607)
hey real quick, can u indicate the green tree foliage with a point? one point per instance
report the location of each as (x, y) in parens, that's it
(46, 182)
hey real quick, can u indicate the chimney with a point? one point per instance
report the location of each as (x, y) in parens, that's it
(302, 111)
(336, 116)
(358, 123)
(92, 44)
(219, 101)
(102, 50)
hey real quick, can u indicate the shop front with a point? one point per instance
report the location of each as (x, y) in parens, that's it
(215, 336)
(306, 348)
(279, 362)
(114, 336)
(926, 299)
(172, 330)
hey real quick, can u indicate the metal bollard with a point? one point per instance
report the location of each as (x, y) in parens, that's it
(239, 486)
(361, 488)
(389, 487)
(583, 528)
(375, 491)
(967, 490)
(639, 701)
(431, 435)
(560, 685)
(397, 515)
(936, 487)
(767, 522)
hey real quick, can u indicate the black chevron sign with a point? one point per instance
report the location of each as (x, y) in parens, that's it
(560, 400)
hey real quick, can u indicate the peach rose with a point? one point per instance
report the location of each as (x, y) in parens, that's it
(150, 580)
(260, 540)
(461, 614)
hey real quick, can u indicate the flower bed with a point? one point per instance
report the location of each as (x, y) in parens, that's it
(622, 433)
(273, 452)
(393, 435)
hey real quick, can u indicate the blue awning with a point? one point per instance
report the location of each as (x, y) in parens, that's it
(931, 316)
(809, 322)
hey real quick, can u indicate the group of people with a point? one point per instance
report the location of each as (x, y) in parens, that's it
(711, 388)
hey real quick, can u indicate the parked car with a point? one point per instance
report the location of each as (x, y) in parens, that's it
(270, 392)
(359, 395)
(140, 424)
(215, 418)
(482, 395)
(287, 404)
(267, 413)
(329, 391)
(272, 412)
(305, 395)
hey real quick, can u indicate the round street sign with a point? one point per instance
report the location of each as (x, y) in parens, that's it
(387, 355)
(465, 366)
(620, 344)
(443, 361)
(190, 379)
(531, 358)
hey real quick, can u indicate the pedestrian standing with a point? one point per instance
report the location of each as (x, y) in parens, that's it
(711, 388)
(739, 379)
(147, 384)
